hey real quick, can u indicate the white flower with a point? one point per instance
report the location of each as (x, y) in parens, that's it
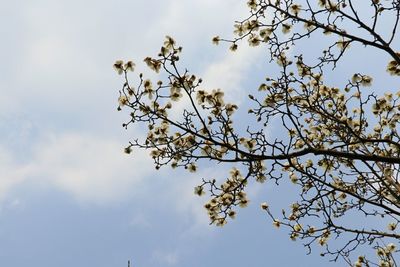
(118, 66)
(216, 40)
(199, 190)
(322, 241)
(123, 100)
(391, 247)
(129, 66)
(286, 28)
(264, 205)
(392, 226)
(297, 228)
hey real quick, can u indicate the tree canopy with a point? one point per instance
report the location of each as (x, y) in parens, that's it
(338, 141)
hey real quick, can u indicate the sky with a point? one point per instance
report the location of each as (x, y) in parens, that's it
(69, 196)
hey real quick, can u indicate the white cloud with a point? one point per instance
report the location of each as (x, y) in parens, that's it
(11, 173)
(66, 61)
(187, 18)
(230, 72)
(90, 168)
(65, 58)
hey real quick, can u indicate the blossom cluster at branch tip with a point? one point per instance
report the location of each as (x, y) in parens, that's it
(121, 67)
(393, 66)
(264, 206)
(216, 40)
(199, 190)
(252, 4)
(153, 64)
(392, 226)
(123, 100)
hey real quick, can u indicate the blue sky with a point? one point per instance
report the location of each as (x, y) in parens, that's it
(69, 196)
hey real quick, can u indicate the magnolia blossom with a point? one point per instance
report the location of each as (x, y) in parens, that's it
(123, 100)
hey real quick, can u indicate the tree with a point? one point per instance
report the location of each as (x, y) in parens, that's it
(341, 147)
